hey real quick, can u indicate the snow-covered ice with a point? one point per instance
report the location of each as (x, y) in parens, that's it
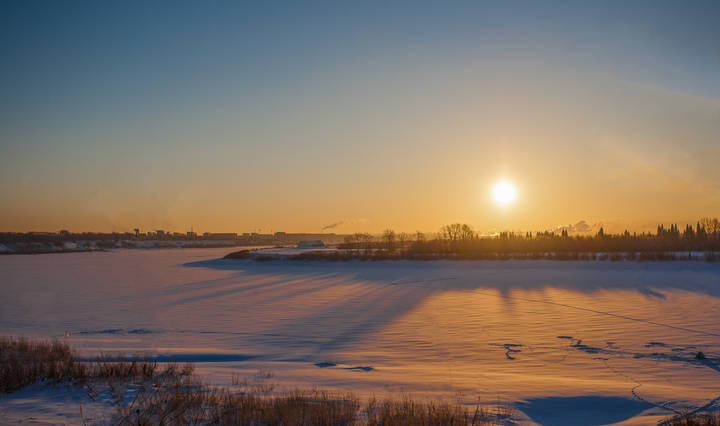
(565, 342)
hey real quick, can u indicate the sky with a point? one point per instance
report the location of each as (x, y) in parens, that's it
(357, 116)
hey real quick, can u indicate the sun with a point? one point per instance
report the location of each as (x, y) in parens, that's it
(504, 193)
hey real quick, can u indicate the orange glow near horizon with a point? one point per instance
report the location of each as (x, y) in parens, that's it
(308, 134)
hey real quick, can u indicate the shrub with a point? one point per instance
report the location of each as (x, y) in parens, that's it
(184, 401)
(24, 362)
(710, 418)
(242, 254)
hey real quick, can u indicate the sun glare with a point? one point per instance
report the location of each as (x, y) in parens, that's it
(504, 193)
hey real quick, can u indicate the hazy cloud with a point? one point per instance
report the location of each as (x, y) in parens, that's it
(581, 227)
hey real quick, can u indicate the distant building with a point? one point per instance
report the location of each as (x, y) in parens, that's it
(310, 244)
(220, 235)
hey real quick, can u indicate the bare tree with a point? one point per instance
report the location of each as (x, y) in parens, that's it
(364, 241)
(389, 239)
(457, 232)
(403, 239)
(466, 232)
(451, 232)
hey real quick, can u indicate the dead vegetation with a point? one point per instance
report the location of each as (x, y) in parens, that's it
(24, 362)
(149, 393)
(185, 401)
(406, 411)
(709, 418)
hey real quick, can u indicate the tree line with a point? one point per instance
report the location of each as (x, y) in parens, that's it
(462, 241)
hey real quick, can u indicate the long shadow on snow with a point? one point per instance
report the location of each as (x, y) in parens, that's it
(646, 278)
(582, 410)
(390, 289)
(341, 320)
(230, 286)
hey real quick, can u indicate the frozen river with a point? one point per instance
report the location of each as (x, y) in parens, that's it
(604, 341)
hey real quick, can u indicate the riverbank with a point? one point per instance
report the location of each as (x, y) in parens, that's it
(336, 255)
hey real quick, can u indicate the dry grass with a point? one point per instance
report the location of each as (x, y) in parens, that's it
(185, 401)
(168, 394)
(407, 411)
(24, 362)
(710, 418)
